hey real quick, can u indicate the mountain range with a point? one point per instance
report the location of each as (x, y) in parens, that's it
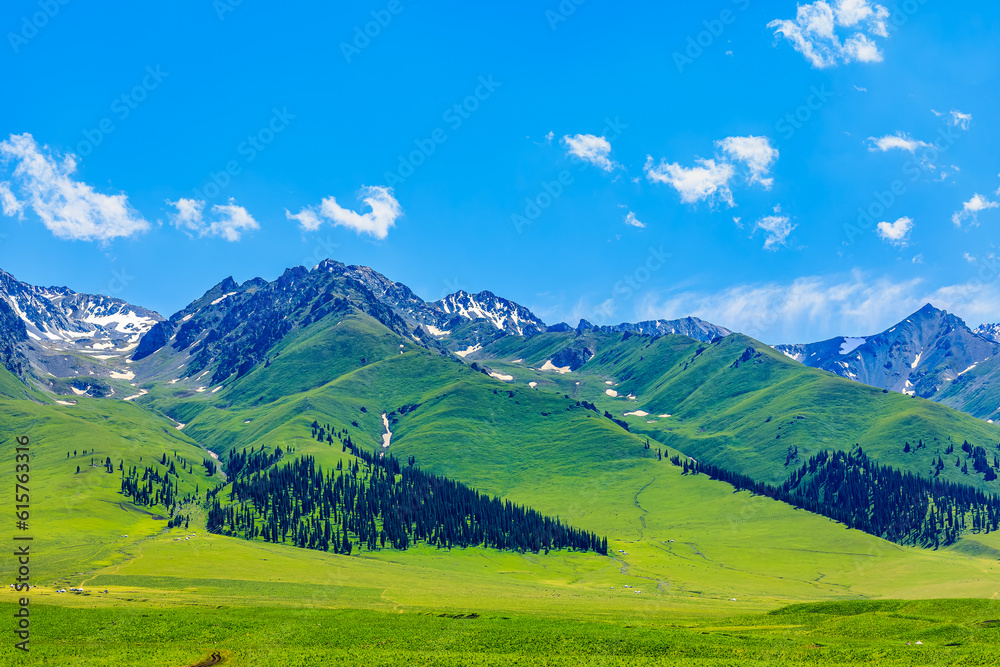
(82, 343)
(721, 396)
(709, 464)
(76, 343)
(932, 354)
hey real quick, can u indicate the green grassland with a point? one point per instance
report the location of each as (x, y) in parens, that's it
(954, 632)
(689, 544)
(745, 418)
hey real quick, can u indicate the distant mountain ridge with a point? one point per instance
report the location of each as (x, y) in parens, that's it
(60, 331)
(927, 355)
(691, 327)
(989, 331)
(72, 340)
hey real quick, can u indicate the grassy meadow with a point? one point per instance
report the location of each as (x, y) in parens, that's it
(697, 573)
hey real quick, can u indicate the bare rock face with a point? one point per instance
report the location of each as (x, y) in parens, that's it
(920, 356)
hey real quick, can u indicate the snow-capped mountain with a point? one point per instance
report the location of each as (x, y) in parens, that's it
(687, 326)
(60, 315)
(920, 356)
(85, 343)
(506, 316)
(60, 324)
(989, 331)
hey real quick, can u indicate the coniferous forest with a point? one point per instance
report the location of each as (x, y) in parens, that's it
(374, 503)
(880, 500)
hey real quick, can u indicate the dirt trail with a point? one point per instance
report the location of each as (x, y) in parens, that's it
(138, 547)
(642, 517)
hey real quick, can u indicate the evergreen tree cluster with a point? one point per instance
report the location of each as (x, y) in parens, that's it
(247, 463)
(880, 500)
(374, 503)
(154, 487)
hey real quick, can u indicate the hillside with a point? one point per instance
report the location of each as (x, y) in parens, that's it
(929, 354)
(739, 403)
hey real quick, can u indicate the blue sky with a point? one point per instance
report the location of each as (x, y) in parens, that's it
(730, 159)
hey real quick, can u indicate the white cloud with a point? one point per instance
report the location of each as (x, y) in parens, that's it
(970, 210)
(307, 219)
(776, 230)
(896, 233)
(710, 179)
(593, 149)
(68, 208)
(633, 221)
(814, 308)
(550, 136)
(702, 183)
(376, 222)
(814, 31)
(852, 12)
(860, 89)
(969, 258)
(229, 221)
(9, 202)
(862, 49)
(189, 214)
(955, 118)
(755, 152)
(918, 259)
(899, 141)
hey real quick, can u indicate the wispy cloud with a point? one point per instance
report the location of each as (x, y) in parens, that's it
(705, 182)
(829, 35)
(896, 233)
(899, 141)
(776, 230)
(710, 179)
(590, 148)
(755, 152)
(377, 222)
(68, 208)
(227, 221)
(955, 118)
(633, 221)
(815, 308)
(970, 210)
(9, 202)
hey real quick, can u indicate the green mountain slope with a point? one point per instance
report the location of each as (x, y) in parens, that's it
(742, 405)
(80, 517)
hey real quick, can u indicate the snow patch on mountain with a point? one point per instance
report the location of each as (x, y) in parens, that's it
(434, 331)
(505, 315)
(222, 298)
(549, 366)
